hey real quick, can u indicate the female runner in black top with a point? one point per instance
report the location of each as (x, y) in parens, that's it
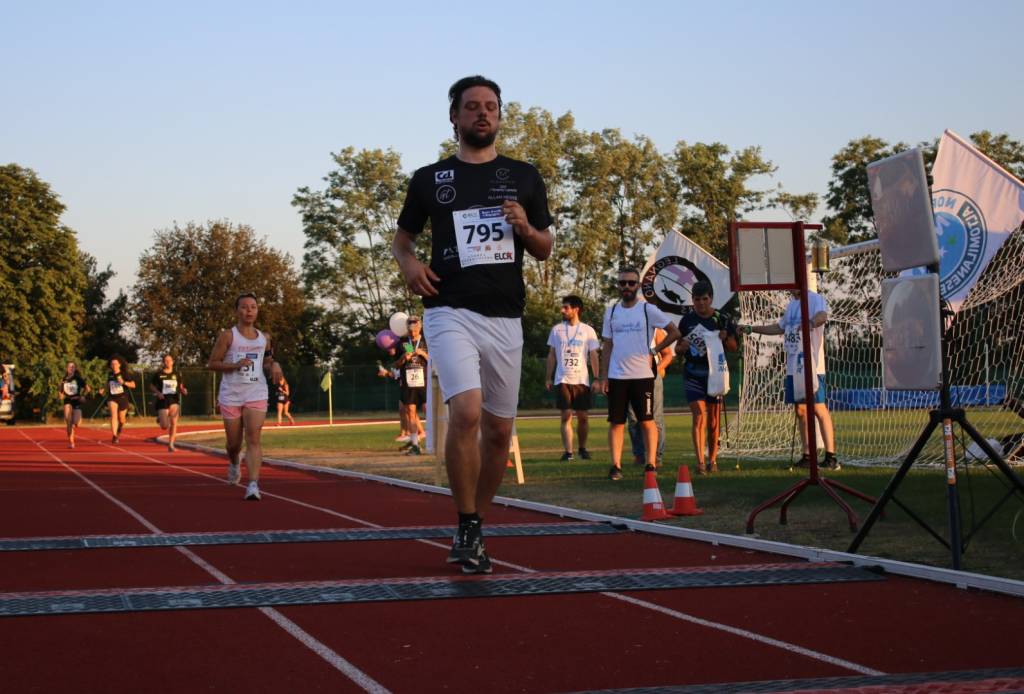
(117, 397)
(72, 389)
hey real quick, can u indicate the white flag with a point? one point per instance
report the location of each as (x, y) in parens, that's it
(674, 268)
(977, 205)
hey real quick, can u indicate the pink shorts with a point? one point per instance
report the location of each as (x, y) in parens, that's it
(235, 411)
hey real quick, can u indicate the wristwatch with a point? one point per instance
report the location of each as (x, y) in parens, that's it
(654, 352)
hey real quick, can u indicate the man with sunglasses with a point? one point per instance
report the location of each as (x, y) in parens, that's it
(485, 211)
(628, 366)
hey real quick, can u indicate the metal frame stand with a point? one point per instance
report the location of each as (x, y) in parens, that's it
(945, 415)
(830, 487)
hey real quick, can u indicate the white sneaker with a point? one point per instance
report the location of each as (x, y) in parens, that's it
(252, 492)
(234, 473)
(403, 439)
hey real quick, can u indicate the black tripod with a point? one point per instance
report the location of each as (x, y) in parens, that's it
(945, 415)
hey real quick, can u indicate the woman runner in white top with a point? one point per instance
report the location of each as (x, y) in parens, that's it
(243, 355)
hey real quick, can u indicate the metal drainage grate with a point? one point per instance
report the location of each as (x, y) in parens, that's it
(261, 595)
(999, 680)
(28, 544)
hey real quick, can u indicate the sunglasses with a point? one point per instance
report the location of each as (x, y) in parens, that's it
(628, 283)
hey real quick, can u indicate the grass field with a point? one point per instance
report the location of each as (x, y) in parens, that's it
(727, 498)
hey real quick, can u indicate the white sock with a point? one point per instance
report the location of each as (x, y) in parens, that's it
(415, 439)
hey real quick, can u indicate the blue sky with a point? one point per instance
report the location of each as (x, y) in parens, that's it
(142, 115)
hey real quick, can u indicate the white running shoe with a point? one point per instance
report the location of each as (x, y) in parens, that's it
(234, 472)
(252, 492)
(403, 439)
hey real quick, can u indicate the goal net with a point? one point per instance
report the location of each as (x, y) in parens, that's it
(875, 425)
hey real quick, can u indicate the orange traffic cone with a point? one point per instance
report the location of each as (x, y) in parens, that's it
(684, 503)
(654, 507)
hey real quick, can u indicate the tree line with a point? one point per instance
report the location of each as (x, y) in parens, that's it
(612, 197)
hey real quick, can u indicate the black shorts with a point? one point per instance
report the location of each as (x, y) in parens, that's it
(637, 393)
(165, 402)
(283, 401)
(572, 397)
(75, 403)
(120, 400)
(414, 396)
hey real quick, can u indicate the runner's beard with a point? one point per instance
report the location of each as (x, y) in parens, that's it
(471, 138)
(628, 294)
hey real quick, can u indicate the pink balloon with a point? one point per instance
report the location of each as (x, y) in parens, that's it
(386, 339)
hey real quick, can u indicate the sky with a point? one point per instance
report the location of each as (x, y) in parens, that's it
(142, 115)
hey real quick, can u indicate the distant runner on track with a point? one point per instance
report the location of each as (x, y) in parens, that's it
(244, 355)
(118, 380)
(167, 390)
(72, 389)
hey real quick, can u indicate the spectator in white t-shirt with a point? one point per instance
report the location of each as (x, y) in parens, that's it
(627, 366)
(789, 326)
(573, 345)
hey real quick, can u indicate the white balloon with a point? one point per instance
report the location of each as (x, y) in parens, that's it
(398, 325)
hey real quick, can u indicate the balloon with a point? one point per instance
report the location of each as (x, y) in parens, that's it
(386, 339)
(397, 324)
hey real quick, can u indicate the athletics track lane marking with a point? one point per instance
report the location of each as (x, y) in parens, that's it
(357, 676)
(637, 602)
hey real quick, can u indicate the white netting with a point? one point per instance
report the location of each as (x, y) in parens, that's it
(874, 425)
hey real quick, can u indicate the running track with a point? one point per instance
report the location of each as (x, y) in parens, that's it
(891, 634)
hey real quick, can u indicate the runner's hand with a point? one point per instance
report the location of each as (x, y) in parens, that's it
(243, 363)
(682, 346)
(548, 383)
(516, 216)
(419, 277)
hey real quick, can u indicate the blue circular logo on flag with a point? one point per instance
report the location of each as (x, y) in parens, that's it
(962, 235)
(667, 283)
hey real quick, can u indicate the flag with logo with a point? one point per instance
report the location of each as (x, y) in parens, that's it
(977, 205)
(675, 267)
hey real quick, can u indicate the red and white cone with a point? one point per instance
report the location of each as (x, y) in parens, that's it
(684, 503)
(654, 507)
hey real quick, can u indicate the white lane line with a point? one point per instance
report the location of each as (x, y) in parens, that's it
(693, 619)
(305, 638)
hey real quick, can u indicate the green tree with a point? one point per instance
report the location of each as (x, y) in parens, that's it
(715, 188)
(850, 218)
(347, 266)
(798, 207)
(105, 324)
(848, 200)
(41, 281)
(188, 281)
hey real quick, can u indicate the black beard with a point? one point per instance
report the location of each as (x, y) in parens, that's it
(628, 294)
(478, 141)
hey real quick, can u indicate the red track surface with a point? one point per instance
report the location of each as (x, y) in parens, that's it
(540, 643)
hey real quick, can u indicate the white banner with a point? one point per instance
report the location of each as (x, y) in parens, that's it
(673, 269)
(977, 205)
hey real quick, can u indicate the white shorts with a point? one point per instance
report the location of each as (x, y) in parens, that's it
(470, 351)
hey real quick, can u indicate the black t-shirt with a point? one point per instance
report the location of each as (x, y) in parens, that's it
(493, 286)
(73, 386)
(691, 327)
(407, 346)
(115, 389)
(167, 382)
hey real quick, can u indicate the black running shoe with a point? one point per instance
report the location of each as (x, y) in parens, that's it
(614, 474)
(804, 462)
(483, 562)
(466, 545)
(566, 457)
(584, 454)
(831, 463)
(650, 468)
